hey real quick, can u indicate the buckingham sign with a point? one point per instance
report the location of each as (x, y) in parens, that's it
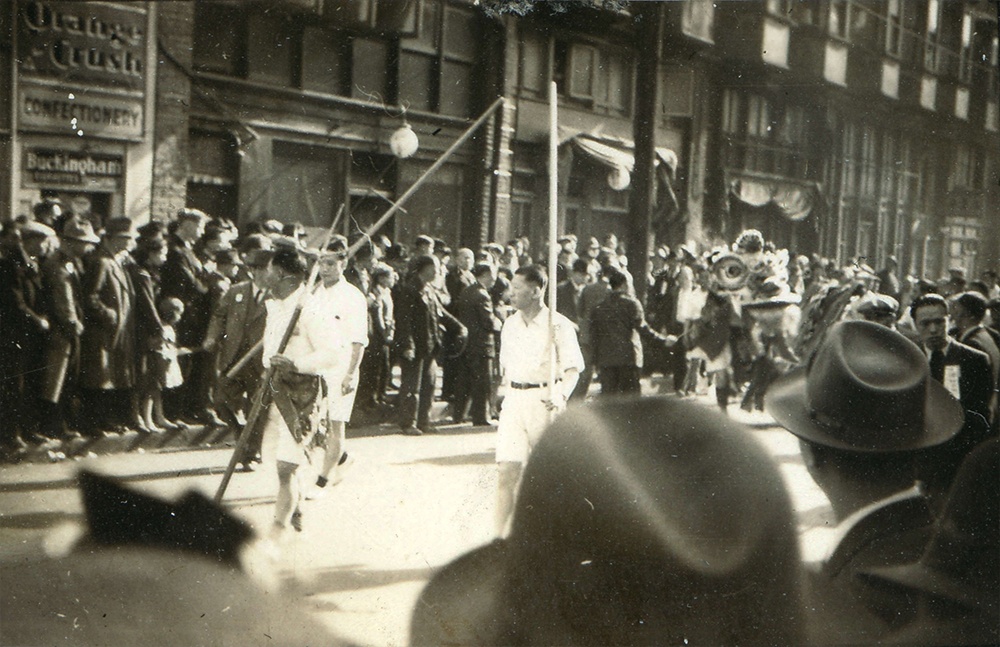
(99, 44)
(60, 168)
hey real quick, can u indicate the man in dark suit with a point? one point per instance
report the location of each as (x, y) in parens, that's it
(615, 342)
(458, 278)
(236, 329)
(863, 409)
(183, 276)
(62, 287)
(966, 373)
(968, 310)
(475, 311)
(419, 319)
(569, 293)
(24, 325)
(590, 297)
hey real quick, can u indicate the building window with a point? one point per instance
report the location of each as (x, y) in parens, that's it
(214, 173)
(436, 66)
(326, 61)
(961, 171)
(698, 19)
(758, 117)
(534, 63)
(838, 17)
(304, 184)
(894, 28)
(218, 39)
(780, 7)
(272, 49)
(869, 167)
(931, 45)
(965, 53)
(598, 77)
(731, 117)
(849, 151)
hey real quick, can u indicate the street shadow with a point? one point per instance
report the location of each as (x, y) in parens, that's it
(36, 520)
(348, 578)
(479, 458)
(63, 483)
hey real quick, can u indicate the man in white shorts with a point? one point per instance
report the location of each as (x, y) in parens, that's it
(344, 309)
(525, 352)
(307, 385)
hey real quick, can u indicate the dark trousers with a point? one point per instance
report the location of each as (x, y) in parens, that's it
(619, 380)
(586, 377)
(451, 368)
(21, 373)
(373, 375)
(475, 387)
(416, 392)
(235, 394)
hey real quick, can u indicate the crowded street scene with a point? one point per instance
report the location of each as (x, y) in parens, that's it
(441, 322)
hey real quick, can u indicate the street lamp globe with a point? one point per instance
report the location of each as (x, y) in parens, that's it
(404, 142)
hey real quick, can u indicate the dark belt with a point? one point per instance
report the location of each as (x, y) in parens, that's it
(524, 386)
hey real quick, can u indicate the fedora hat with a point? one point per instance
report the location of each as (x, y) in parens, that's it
(866, 389)
(258, 257)
(33, 228)
(638, 521)
(81, 230)
(961, 562)
(120, 227)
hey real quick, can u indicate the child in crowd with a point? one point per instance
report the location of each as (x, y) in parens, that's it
(165, 370)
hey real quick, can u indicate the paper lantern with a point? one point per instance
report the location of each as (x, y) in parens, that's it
(404, 142)
(619, 179)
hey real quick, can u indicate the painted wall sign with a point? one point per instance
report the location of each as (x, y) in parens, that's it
(63, 168)
(100, 44)
(81, 114)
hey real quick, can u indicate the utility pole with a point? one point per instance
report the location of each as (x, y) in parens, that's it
(650, 21)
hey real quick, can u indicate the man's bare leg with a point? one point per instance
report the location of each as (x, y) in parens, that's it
(508, 478)
(288, 496)
(334, 454)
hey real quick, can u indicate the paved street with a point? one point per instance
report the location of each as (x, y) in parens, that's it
(407, 506)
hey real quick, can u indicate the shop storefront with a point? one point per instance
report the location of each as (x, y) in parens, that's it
(81, 118)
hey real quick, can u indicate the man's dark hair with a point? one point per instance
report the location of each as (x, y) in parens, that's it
(973, 303)
(290, 261)
(930, 299)
(421, 262)
(482, 269)
(616, 278)
(581, 266)
(900, 468)
(533, 274)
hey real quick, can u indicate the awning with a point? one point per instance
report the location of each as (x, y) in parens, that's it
(620, 154)
(795, 200)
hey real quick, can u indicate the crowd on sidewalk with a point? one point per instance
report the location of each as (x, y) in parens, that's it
(889, 385)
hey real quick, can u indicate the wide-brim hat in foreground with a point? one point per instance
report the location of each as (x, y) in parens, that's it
(638, 521)
(81, 230)
(867, 389)
(962, 560)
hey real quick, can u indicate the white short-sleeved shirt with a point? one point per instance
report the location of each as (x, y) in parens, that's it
(524, 348)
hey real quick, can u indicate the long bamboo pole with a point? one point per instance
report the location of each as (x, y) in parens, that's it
(553, 231)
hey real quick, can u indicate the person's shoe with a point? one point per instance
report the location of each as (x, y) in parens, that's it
(412, 431)
(210, 418)
(247, 466)
(340, 471)
(296, 520)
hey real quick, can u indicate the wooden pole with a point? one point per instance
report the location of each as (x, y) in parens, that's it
(553, 229)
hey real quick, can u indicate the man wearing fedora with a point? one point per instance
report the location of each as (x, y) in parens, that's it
(640, 521)
(236, 329)
(966, 373)
(62, 285)
(862, 409)
(107, 346)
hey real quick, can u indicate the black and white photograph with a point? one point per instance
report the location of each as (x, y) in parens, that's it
(392, 323)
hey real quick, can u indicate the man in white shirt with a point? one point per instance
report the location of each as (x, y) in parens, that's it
(344, 309)
(526, 343)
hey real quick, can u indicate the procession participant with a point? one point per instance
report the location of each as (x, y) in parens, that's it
(475, 311)
(862, 409)
(62, 287)
(298, 385)
(24, 324)
(236, 327)
(617, 329)
(419, 320)
(107, 345)
(526, 345)
(345, 310)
